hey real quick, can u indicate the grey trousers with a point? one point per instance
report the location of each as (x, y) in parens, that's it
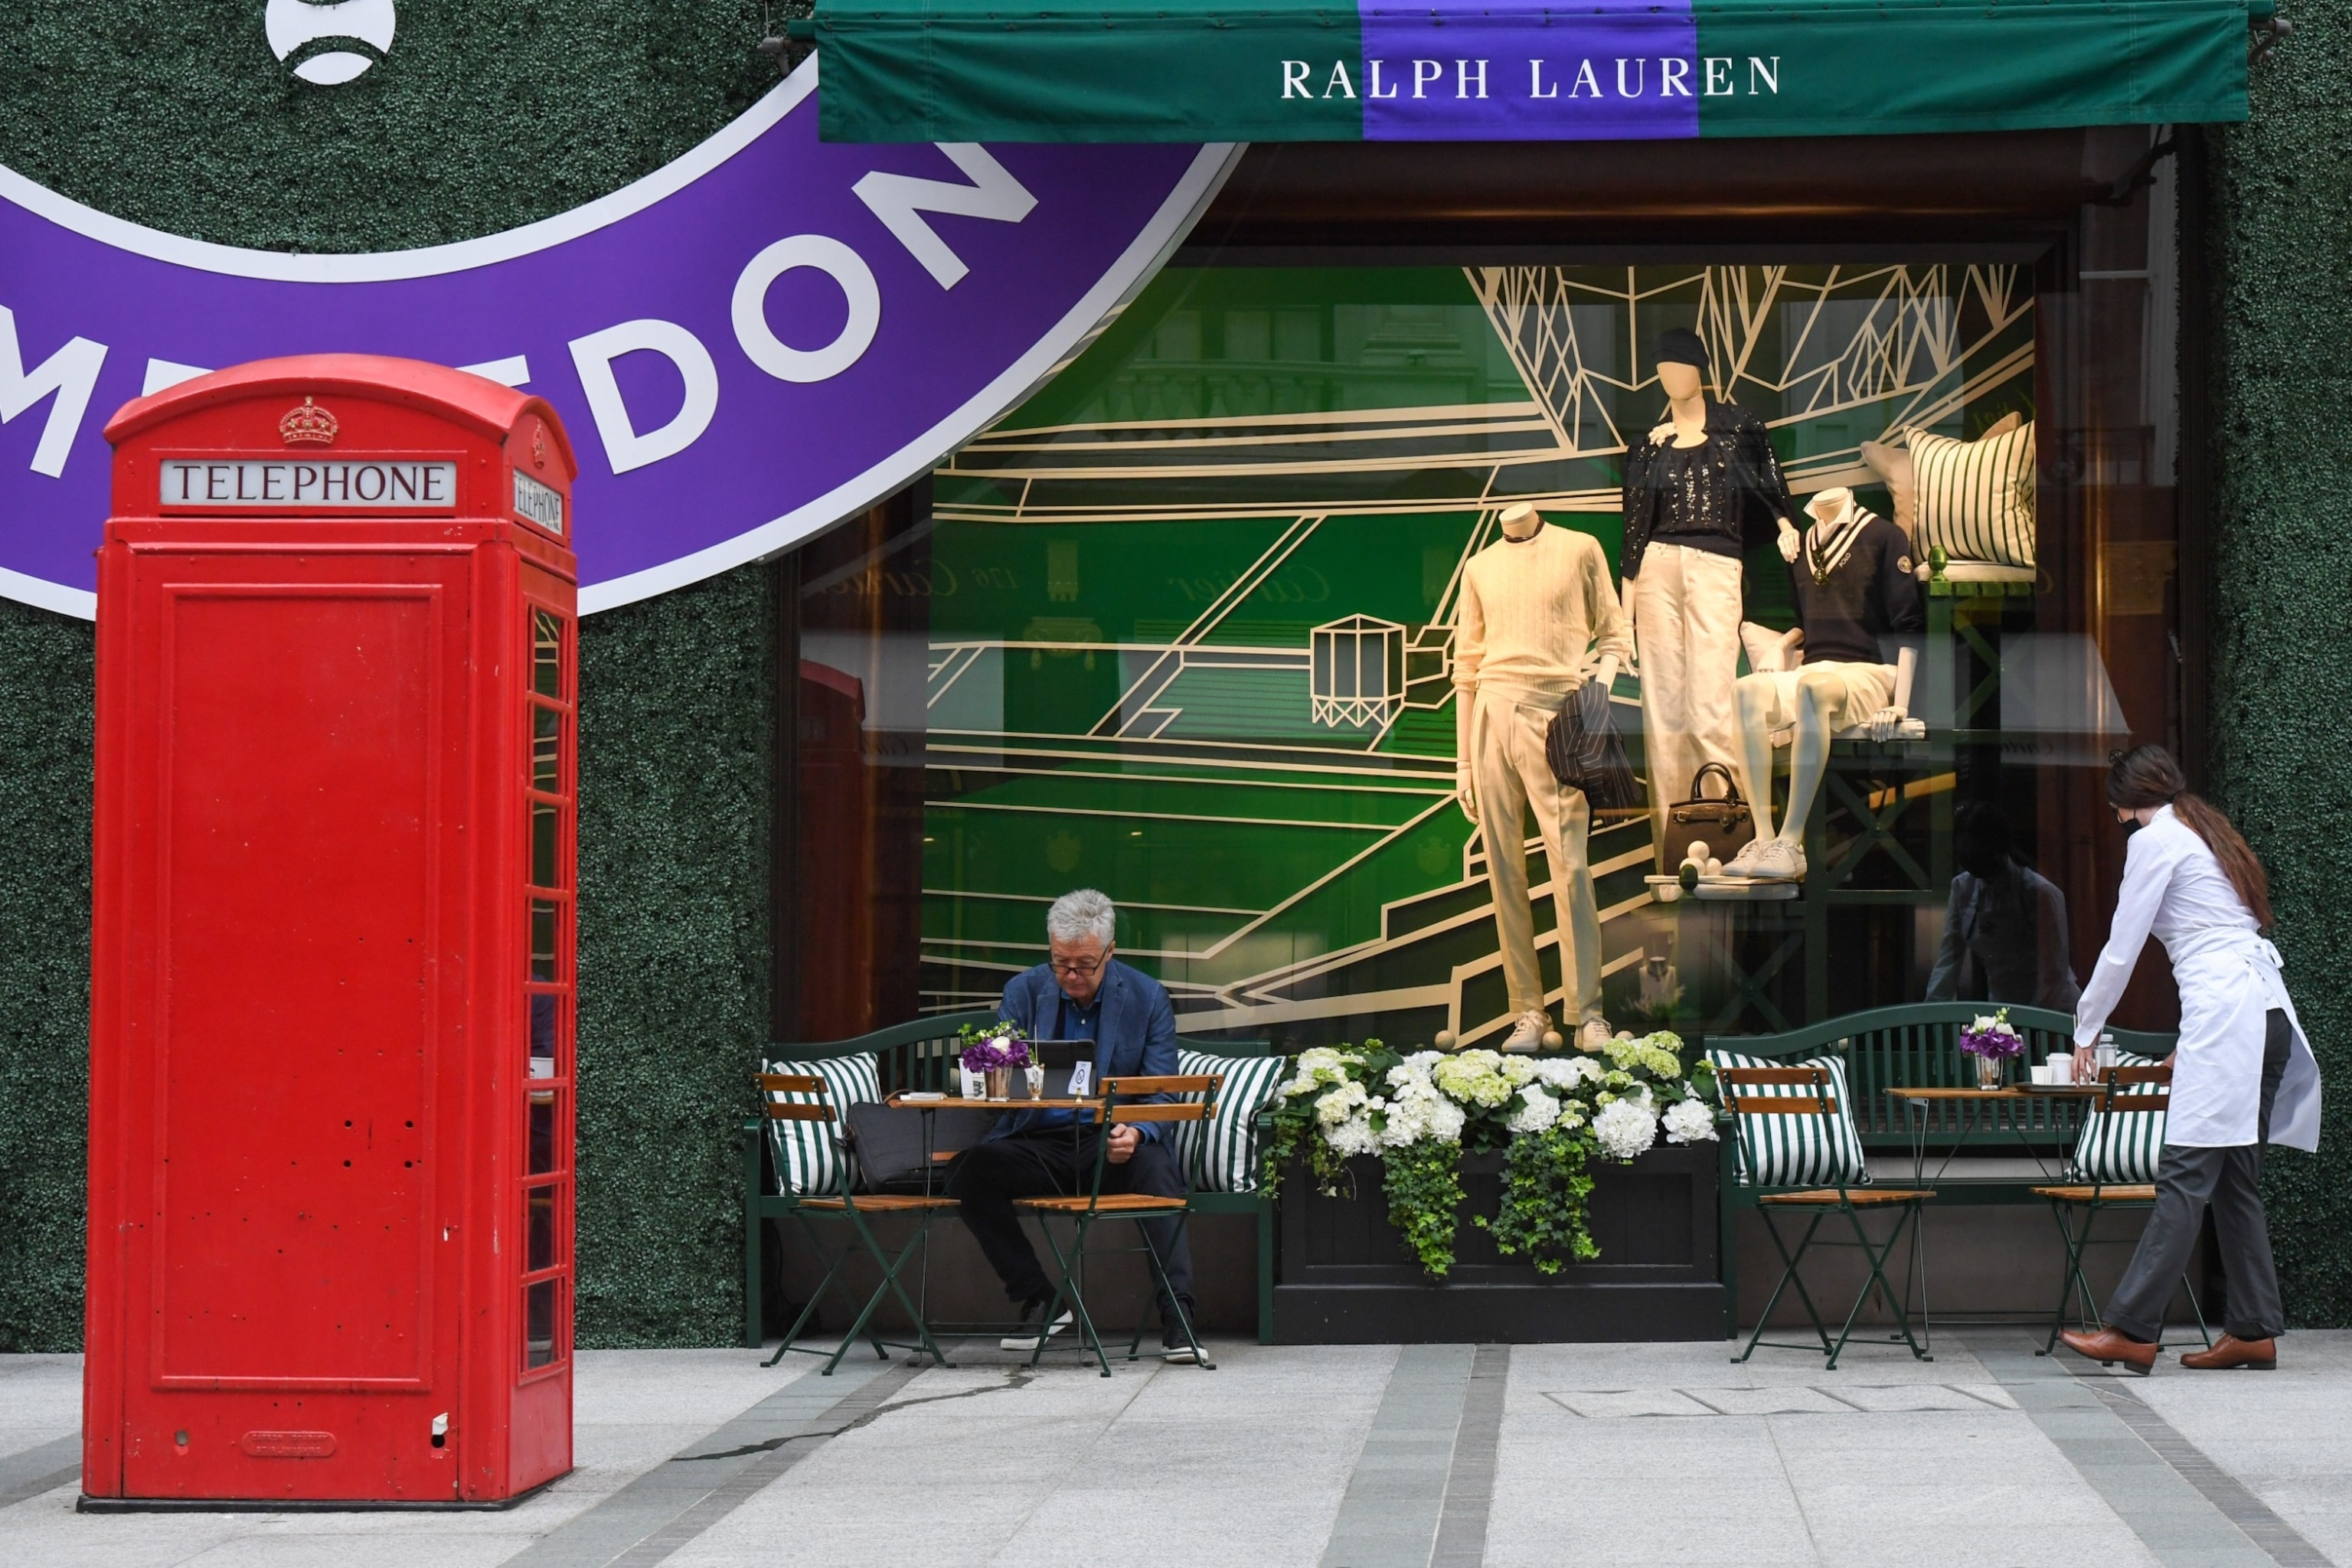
(2231, 1180)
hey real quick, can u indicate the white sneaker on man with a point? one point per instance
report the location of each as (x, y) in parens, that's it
(1592, 1035)
(1779, 860)
(1744, 863)
(1527, 1033)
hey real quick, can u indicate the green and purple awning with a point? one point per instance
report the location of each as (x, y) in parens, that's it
(1293, 70)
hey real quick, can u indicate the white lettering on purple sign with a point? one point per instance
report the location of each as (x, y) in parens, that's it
(287, 485)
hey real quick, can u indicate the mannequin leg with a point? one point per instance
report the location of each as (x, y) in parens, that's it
(1658, 626)
(1711, 599)
(1758, 703)
(1820, 705)
(1502, 819)
(1565, 819)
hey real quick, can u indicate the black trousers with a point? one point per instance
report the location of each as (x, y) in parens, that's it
(2231, 1180)
(988, 1176)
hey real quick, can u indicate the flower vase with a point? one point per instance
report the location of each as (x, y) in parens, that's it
(1037, 1076)
(1991, 1069)
(999, 1083)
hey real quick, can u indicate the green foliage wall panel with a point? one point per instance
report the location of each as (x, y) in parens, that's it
(2282, 529)
(479, 119)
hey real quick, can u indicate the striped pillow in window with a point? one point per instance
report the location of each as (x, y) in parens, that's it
(806, 1161)
(1220, 1155)
(2124, 1147)
(1796, 1151)
(1975, 497)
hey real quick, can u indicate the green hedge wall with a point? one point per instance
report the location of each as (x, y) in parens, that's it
(480, 118)
(2281, 247)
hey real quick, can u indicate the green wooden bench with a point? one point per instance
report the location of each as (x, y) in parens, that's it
(1912, 1047)
(921, 1055)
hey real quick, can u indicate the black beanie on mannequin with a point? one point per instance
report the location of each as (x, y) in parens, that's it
(1680, 345)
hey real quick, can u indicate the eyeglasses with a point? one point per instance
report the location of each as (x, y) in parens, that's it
(1080, 967)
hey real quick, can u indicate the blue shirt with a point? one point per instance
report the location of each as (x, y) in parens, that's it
(1073, 1021)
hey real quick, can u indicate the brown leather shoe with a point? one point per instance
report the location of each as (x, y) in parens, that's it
(2254, 1355)
(2109, 1346)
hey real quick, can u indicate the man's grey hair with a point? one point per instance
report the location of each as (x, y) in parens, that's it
(1077, 916)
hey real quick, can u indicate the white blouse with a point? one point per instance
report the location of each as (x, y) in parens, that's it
(2174, 889)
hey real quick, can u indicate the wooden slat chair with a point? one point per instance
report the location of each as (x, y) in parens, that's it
(850, 1207)
(1098, 1204)
(1794, 1131)
(2113, 1168)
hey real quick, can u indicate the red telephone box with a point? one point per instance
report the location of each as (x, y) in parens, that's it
(332, 972)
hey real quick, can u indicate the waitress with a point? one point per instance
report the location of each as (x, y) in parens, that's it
(2242, 1075)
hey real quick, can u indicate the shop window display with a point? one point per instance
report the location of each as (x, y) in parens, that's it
(1190, 623)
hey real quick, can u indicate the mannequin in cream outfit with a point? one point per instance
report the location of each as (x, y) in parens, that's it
(1536, 610)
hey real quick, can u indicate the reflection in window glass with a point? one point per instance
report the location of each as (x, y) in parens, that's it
(538, 1227)
(542, 844)
(542, 1134)
(546, 754)
(542, 940)
(539, 1323)
(546, 654)
(542, 1035)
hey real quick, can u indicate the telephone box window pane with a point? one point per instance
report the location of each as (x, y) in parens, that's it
(542, 1135)
(542, 1035)
(542, 941)
(538, 1324)
(539, 1226)
(546, 759)
(542, 845)
(546, 654)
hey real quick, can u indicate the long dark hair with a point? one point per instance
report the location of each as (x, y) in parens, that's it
(2146, 775)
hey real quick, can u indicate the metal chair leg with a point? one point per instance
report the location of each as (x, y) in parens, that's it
(1789, 1275)
(1068, 1291)
(808, 1314)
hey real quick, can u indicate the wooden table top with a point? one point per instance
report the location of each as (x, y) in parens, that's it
(1016, 1103)
(2007, 1092)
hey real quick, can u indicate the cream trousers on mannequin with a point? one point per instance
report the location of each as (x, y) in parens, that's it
(1509, 775)
(1686, 626)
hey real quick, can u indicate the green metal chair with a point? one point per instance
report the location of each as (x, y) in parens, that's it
(1141, 1207)
(850, 1208)
(1784, 1113)
(2113, 1169)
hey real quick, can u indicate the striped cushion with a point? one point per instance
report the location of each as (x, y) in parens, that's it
(1795, 1151)
(2124, 1147)
(806, 1161)
(1976, 498)
(1220, 1155)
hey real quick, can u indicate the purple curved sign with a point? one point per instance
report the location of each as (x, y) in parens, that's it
(746, 345)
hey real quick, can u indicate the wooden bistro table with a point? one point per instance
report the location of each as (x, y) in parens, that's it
(1972, 1104)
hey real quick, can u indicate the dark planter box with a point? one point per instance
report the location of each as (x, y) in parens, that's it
(1345, 1278)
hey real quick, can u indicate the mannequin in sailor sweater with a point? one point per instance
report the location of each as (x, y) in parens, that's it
(1536, 608)
(1855, 592)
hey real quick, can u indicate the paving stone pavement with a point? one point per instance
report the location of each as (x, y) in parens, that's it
(1337, 1456)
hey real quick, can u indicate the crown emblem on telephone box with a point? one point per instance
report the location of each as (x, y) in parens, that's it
(309, 423)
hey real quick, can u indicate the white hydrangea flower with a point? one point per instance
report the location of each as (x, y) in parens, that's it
(1689, 1122)
(1341, 1103)
(1518, 1070)
(1625, 1128)
(1473, 1077)
(1538, 1110)
(1558, 1073)
(1354, 1136)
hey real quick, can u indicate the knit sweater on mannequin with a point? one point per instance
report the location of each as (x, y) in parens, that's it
(1530, 610)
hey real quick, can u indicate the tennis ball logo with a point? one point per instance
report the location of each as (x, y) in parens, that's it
(330, 42)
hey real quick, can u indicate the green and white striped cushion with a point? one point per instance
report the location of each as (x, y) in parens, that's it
(1975, 497)
(2124, 1147)
(1220, 1155)
(806, 1161)
(1795, 1151)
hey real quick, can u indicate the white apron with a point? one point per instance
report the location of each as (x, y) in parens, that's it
(2229, 979)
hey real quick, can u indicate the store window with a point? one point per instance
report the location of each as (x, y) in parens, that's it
(1183, 626)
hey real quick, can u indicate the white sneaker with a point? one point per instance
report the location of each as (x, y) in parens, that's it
(1744, 863)
(1779, 860)
(1592, 1035)
(1527, 1033)
(1034, 1327)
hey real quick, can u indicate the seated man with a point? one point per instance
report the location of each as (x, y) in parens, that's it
(1082, 993)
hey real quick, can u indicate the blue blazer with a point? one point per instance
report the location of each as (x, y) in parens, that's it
(1134, 1036)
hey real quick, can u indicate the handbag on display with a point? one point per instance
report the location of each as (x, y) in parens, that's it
(1591, 758)
(1723, 823)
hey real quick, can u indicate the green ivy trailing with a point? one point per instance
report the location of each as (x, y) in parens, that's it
(1424, 1189)
(1545, 1192)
